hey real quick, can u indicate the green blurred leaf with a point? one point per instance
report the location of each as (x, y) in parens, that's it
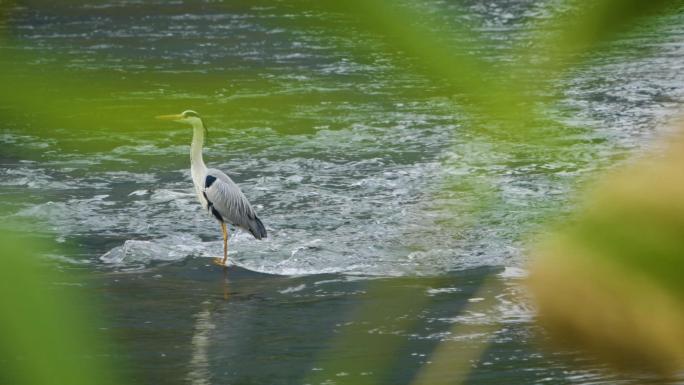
(47, 331)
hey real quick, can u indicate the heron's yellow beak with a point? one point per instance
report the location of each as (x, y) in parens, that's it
(170, 117)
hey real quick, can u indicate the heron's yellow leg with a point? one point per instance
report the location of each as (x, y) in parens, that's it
(225, 243)
(225, 246)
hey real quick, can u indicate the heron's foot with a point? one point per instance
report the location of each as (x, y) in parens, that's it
(219, 261)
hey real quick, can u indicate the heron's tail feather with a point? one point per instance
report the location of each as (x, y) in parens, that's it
(257, 228)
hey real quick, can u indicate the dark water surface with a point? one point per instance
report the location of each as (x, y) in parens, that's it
(379, 246)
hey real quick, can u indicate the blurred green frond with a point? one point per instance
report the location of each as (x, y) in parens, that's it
(47, 329)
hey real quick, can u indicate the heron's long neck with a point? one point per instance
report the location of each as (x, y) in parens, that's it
(197, 166)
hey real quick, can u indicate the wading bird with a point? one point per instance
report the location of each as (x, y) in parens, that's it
(217, 193)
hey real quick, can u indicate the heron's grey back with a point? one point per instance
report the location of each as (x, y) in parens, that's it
(231, 204)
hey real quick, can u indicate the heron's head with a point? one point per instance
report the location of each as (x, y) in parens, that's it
(188, 116)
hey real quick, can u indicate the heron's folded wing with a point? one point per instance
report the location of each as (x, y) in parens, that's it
(227, 199)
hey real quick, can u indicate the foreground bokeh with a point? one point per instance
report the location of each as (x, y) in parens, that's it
(611, 282)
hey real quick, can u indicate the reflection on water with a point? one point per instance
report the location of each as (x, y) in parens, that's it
(199, 373)
(348, 166)
(324, 327)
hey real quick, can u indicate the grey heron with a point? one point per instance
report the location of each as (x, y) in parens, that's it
(217, 193)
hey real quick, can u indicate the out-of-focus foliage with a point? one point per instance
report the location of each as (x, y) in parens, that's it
(512, 112)
(46, 327)
(350, 350)
(511, 108)
(612, 282)
(451, 361)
